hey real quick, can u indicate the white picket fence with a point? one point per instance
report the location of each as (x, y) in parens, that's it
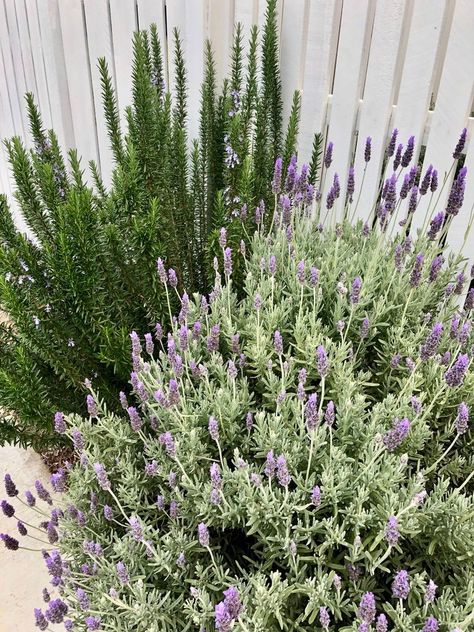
(363, 66)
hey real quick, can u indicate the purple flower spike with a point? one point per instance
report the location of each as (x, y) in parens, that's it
(59, 424)
(102, 477)
(394, 437)
(355, 291)
(324, 617)
(382, 624)
(93, 623)
(316, 496)
(425, 183)
(166, 440)
(203, 535)
(56, 611)
(161, 271)
(40, 620)
(431, 625)
(367, 608)
(430, 592)
(43, 493)
(329, 415)
(22, 530)
(276, 182)
(172, 278)
(415, 277)
(350, 184)
(322, 362)
(278, 342)
(405, 186)
(455, 375)
(398, 157)
(456, 195)
(431, 344)
(91, 406)
(300, 272)
(368, 149)
(122, 573)
(392, 533)
(270, 465)
(460, 145)
(413, 200)
(283, 475)
(10, 543)
(135, 419)
(364, 328)
(311, 412)
(227, 262)
(328, 155)
(10, 487)
(8, 510)
(434, 181)
(462, 419)
(392, 143)
(435, 225)
(408, 153)
(401, 585)
(213, 428)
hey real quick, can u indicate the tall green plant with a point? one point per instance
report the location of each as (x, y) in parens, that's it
(85, 277)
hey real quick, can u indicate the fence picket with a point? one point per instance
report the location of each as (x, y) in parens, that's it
(292, 50)
(78, 79)
(99, 43)
(345, 99)
(453, 104)
(123, 20)
(377, 100)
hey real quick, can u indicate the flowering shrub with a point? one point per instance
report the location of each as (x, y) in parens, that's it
(300, 458)
(88, 277)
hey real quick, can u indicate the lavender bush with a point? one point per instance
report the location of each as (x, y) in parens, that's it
(301, 457)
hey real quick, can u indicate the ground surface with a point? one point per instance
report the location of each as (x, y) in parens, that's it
(23, 574)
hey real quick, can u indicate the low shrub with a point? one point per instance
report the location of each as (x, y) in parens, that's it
(300, 458)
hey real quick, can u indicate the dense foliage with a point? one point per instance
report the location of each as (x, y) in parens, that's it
(86, 275)
(301, 457)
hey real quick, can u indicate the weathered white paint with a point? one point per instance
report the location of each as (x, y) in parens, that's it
(363, 67)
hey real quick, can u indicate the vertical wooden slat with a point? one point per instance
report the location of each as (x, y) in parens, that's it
(246, 12)
(453, 103)
(377, 99)
(53, 51)
(13, 92)
(99, 43)
(189, 19)
(292, 48)
(345, 98)
(36, 47)
(79, 79)
(124, 24)
(221, 30)
(323, 23)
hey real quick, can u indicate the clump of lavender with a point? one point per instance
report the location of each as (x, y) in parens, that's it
(290, 436)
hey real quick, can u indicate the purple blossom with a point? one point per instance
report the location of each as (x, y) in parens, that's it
(270, 465)
(78, 440)
(460, 145)
(364, 328)
(431, 344)
(355, 291)
(93, 623)
(430, 592)
(161, 271)
(43, 493)
(278, 342)
(313, 276)
(8, 510)
(46, 595)
(10, 487)
(415, 276)
(149, 345)
(406, 186)
(40, 619)
(272, 265)
(462, 419)
(311, 412)
(392, 533)
(102, 477)
(350, 184)
(108, 513)
(392, 143)
(401, 585)
(172, 278)
(135, 419)
(213, 338)
(276, 182)
(425, 183)
(249, 421)
(416, 405)
(395, 436)
(58, 480)
(431, 625)
(227, 262)
(382, 624)
(290, 177)
(216, 478)
(469, 303)
(166, 439)
(83, 599)
(456, 195)
(329, 415)
(136, 528)
(123, 400)
(56, 611)
(367, 608)
(91, 406)
(435, 268)
(283, 475)
(223, 620)
(398, 157)
(316, 496)
(222, 237)
(330, 198)
(408, 154)
(328, 155)
(324, 617)
(434, 181)
(122, 573)
(213, 428)
(454, 376)
(413, 200)
(59, 423)
(22, 530)
(300, 272)
(367, 149)
(203, 535)
(322, 362)
(10, 543)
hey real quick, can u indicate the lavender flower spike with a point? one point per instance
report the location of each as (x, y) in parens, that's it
(367, 608)
(59, 424)
(355, 291)
(415, 277)
(368, 149)
(322, 362)
(455, 375)
(408, 153)
(394, 437)
(203, 535)
(102, 477)
(392, 143)
(392, 533)
(10, 487)
(276, 182)
(401, 585)
(431, 344)
(462, 419)
(431, 625)
(460, 145)
(328, 155)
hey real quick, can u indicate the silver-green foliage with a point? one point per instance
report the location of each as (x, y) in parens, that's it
(289, 556)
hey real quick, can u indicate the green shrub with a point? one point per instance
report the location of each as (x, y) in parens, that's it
(301, 457)
(86, 274)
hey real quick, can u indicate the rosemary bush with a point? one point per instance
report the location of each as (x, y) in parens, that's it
(300, 458)
(86, 275)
